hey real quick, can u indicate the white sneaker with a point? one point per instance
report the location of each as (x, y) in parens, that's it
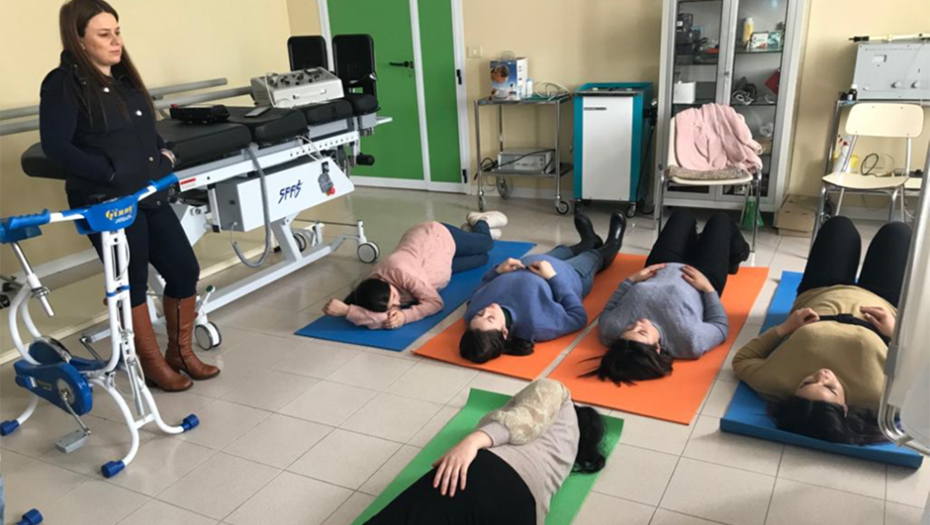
(496, 233)
(495, 219)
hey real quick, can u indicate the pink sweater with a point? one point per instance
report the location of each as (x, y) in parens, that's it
(420, 266)
(714, 137)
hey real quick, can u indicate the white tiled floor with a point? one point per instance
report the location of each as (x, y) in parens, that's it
(302, 431)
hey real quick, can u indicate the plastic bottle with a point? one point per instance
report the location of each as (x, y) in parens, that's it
(529, 88)
(840, 159)
(748, 28)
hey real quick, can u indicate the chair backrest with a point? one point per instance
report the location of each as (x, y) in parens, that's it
(885, 120)
(672, 159)
(307, 52)
(354, 58)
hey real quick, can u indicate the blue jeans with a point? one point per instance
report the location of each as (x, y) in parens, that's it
(586, 263)
(471, 248)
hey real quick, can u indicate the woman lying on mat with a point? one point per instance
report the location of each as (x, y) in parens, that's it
(405, 286)
(539, 297)
(823, 368)
(671, 309)
(508, 469)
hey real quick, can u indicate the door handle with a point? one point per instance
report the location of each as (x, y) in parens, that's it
(406, 63)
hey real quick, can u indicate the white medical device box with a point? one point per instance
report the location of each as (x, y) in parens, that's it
(893, 71)
(297, 88)
(508, 78)
(530, 160)
(292, 188)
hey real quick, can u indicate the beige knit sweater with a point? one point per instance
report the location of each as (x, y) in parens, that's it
(537, 434)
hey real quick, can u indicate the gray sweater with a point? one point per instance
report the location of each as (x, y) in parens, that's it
(537, 434)
(689, 322)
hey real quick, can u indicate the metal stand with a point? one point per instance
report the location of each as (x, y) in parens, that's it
(556, 172)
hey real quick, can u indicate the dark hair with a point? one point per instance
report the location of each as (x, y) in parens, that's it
(827, 421)
(590, 457)
(630, 361)
(481, 346)
(371, 294)
(72, 24)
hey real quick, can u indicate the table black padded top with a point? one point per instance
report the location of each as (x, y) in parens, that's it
(326, 112)
(197, 143)
(36, 164)
(362, 104)
(273, 126)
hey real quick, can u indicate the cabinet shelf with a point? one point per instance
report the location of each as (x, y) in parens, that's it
(758, 51)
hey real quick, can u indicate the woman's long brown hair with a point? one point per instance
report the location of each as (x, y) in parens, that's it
(72, 21)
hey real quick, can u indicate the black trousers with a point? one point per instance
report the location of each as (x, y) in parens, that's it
(495, 495)
(834, 259)
(157, 237)
(709, 252)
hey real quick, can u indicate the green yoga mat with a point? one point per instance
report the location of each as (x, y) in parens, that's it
(566, 503)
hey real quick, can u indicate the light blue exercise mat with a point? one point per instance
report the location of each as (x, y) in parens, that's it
(458, 291)
(748, 414)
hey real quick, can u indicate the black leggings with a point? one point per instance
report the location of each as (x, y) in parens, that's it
(157, 237)
(495, 494)
(834, 259)
(709, 252)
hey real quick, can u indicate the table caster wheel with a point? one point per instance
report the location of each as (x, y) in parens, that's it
(368, 252)
(301, 242)
(563, 207)
(481, 203)
(208, 336)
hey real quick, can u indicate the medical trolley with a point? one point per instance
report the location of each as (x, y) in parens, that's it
(613, 130)
(553, 167)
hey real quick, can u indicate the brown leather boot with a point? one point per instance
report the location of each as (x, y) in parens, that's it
(179, 316)
(154, 366)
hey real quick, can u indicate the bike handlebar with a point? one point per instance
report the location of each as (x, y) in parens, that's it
(38, 219)
(24, 221)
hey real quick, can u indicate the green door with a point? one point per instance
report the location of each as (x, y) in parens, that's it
(397, 146)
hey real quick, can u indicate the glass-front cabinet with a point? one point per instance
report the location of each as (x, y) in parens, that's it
(742, 53)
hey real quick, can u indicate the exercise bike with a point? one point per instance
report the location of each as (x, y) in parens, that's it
(47, 369)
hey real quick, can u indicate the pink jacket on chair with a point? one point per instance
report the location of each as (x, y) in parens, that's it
(714, 137)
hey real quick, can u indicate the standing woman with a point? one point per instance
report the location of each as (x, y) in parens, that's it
(97, 121)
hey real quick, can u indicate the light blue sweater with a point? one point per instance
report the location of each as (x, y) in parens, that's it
(540, 310)
(690, 322)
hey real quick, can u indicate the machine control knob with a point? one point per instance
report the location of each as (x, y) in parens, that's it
(896, 84)
(916, 84)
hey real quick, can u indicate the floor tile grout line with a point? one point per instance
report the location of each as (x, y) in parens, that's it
(768, 508)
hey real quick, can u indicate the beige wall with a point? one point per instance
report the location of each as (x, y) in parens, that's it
(304, 17)
(829, 60)
(171, 41)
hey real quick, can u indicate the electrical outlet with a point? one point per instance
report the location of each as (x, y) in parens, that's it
(474, 52)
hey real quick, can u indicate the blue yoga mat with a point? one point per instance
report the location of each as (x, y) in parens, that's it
(747, 413)
(459, 290)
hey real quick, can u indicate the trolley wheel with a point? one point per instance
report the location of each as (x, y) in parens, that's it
(368, 252)
(503, 188)
(481, 203)
(563, 207)
(208, 336)
(631, 210)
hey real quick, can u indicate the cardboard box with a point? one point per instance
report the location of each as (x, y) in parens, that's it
(795, 218)
(508, 78)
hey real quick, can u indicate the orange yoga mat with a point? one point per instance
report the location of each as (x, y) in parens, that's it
(674, 398)
(445, 346)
